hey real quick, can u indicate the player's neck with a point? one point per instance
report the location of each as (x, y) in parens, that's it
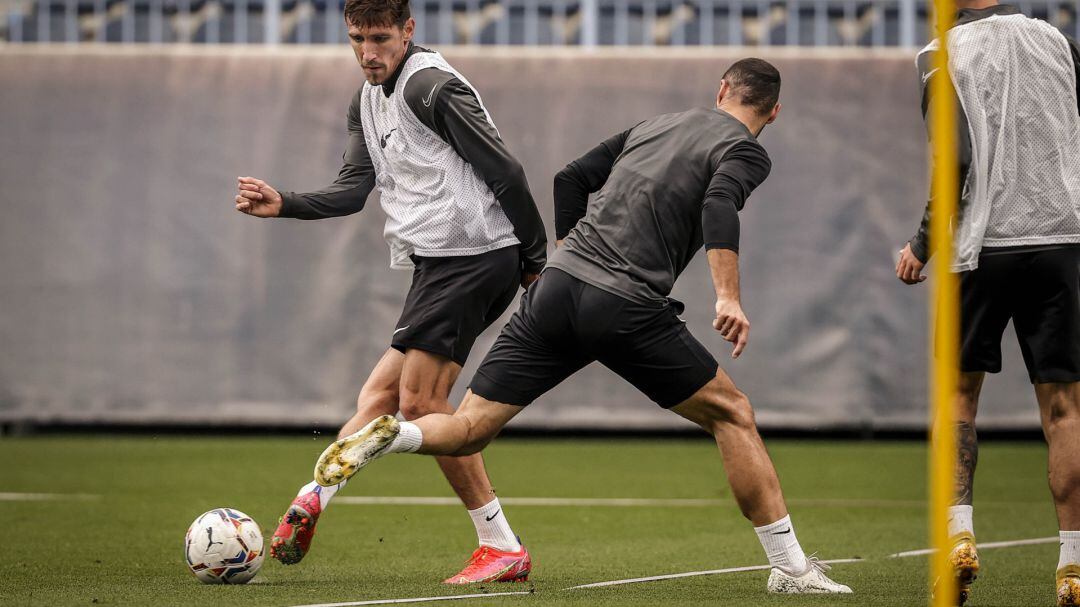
(749, 117)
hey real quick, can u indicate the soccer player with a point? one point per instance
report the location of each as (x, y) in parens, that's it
(1017, 242)
(666, 187)
(459, 213)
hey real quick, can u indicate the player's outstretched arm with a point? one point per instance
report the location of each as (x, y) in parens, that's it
(345, 196)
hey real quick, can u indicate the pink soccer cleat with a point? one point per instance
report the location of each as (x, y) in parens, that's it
(292, 540)
(490, 565)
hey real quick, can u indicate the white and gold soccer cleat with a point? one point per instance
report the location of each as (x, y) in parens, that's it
(346, 456)
(964, 561)
(812, 581)
(1068, 586)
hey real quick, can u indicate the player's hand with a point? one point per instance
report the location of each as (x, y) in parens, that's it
(527, 278)
(732, 324)
(909, 268)
(257, 198)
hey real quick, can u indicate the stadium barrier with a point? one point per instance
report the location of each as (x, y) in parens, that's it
(133, 292)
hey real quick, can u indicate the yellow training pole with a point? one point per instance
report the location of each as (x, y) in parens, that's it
(944, 346)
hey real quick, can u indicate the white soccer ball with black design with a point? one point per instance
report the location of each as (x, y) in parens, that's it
(224, 546)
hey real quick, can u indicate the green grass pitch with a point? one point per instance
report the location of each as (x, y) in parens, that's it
(848, 499)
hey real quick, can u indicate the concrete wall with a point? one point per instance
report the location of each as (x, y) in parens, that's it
(130, 290)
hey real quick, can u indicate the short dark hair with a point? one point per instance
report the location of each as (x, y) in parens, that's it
(756, 82)
(377, 12)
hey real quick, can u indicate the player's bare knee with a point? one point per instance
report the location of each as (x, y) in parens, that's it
(414, 405)
(731, 411)
(374, 402)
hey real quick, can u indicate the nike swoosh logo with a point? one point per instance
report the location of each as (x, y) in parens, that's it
(786, 531)
(401, 329)
(427, 100)
(927, 75)
(492, 517)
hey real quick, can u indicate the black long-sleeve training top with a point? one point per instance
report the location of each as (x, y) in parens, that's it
(665, 187)
(455, 116)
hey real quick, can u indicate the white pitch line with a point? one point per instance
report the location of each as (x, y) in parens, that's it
(423, 599)
(48, 497)
(672, 576)
(369, 500)
(909, 553)
(389, 500)
(982, 546)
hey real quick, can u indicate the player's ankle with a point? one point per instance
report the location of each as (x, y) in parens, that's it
(960, 522)
(1070, 549)
(408, 439)
(492, 528)
(782, 547)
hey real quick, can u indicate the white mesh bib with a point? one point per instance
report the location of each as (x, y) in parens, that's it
(1017, 84)
(435, 203)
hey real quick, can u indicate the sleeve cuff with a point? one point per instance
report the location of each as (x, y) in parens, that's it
(919, 250)
(290, 204)
(730, 246)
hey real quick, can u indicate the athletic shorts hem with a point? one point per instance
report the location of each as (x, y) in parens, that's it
(489, 389)
(703, 381)
(402, 346)
(1063, 377)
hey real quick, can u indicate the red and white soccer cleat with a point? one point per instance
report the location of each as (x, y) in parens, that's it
(490, 565)
(292, 540)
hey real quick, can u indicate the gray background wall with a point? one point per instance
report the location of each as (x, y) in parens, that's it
(130, 290)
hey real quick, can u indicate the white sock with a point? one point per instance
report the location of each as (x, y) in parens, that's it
(960, 521)
(781, 546)
(325, 493)
(1070, 548)
(408, 440)
(492, 529)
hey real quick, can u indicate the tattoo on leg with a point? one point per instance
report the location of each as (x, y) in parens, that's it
(968, 456)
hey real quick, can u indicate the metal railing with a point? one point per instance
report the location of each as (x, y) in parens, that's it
(869, 23)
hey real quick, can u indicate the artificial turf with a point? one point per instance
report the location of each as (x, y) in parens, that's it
(847, 499)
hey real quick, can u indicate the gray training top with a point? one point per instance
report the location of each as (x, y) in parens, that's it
(645, 224)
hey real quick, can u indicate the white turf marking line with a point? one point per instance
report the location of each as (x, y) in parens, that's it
(909, 553)
(672, 576)
(48, 497)
(530, 501)
(575, 502)
(982, 546)
(423, 599)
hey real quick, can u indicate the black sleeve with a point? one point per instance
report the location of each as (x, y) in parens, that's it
(449, 107)
(348, 193)
(920, 243)
(742, 169)
(582, 177)
(1075, 47)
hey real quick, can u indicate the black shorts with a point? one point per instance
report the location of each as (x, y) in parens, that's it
(564, 324)
(1039, 291)
(453, 299)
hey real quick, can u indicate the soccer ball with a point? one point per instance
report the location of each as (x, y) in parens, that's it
(224, 546)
